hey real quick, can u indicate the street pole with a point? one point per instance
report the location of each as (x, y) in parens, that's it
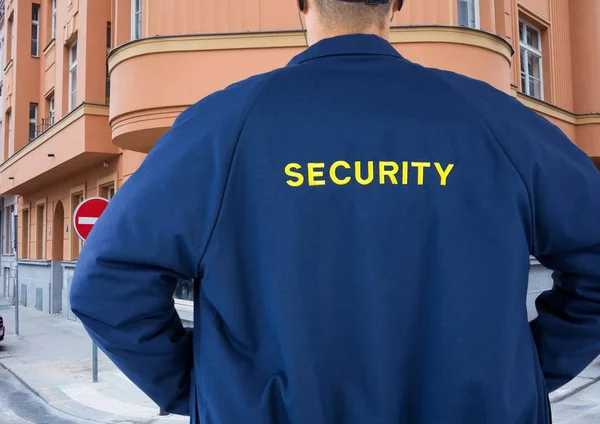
(94, 362)
(16, 289)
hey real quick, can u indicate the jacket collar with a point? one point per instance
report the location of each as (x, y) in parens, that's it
(355, 44)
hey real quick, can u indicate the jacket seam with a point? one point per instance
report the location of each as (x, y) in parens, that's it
(233, 155)
(482, 119)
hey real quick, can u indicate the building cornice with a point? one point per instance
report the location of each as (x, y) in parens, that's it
(295, 39)
(554, 111)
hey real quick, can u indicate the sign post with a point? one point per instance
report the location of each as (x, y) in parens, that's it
(84, 218)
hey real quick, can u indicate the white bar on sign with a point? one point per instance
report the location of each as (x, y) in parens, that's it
(87, 221)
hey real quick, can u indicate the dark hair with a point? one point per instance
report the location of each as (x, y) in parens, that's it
(354, 16)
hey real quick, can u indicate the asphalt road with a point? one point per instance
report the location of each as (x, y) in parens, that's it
(19, 406)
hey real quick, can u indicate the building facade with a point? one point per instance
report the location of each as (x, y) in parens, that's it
(90, 86)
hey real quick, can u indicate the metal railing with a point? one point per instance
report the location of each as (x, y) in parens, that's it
(40, 128)
(44, 125)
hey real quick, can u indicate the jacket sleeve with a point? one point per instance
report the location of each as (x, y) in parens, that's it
(563, 186)
(564, 193)
(153, 233)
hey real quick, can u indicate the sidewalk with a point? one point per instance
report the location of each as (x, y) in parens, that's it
(53, 357)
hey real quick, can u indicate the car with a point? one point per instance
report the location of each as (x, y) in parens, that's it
(1, 329)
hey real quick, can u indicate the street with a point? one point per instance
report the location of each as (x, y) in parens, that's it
(19, 406)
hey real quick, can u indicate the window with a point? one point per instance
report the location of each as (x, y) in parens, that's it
(40, 226)
(11, 45)
(35, 30)
(76, 242)
(108, 47)
(11, 143)
(79, 240)
(468, 13)
(33, 115)
(107, 191)
(72, 76)
(53, 33)
(25, 238)
(51, 111)
(136, 19)
(9, 230)
(531, 60)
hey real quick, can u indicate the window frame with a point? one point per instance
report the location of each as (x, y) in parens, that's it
(53, 20)
(33, 120)
(11, 140)
(476, 17)
(8, 247)
(51, 110)
(25, 238)
(108, 48)
(73, 71)
(525, 58)
(107, 183)
(35, 23)
(40, 245)
(76, 196)
(136, 19)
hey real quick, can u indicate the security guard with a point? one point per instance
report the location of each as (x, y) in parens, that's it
(361, 228)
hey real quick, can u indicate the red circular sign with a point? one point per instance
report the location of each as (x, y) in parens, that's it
(86, 215)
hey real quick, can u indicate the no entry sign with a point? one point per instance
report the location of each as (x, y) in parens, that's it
(86, 214)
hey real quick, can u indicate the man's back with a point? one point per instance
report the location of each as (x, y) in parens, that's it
(362, 227)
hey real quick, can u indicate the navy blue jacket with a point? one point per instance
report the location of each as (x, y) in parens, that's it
(360, 227)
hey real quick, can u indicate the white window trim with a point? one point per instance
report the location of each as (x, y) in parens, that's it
(34, 119)
(72, 67)
(538, 52)
(37, 24)
(53, 35)
(136, 14)
(477, 14)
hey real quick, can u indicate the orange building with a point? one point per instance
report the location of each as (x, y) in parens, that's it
(89, 87)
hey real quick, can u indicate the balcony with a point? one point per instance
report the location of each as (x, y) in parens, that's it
(145, 104)
(79, 140)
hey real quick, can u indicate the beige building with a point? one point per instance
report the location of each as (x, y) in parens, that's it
(89, 87)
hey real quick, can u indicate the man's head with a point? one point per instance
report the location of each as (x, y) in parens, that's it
(327, 18)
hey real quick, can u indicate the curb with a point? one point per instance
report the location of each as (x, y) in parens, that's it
(35, 392)
(576, 390)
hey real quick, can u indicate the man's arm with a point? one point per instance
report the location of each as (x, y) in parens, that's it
(565, 190)
(564, 193)
(155, 231)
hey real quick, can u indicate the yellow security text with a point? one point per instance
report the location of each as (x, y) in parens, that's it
(365, 173)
